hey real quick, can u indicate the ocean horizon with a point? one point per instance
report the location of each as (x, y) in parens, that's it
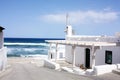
(27, 47)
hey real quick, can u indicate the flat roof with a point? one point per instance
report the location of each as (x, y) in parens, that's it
(81, 43)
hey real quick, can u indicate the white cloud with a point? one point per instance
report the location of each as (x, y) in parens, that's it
(78, 17)
(54, 18)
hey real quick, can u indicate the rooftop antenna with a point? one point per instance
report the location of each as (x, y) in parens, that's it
(70, 30)
(67, 19)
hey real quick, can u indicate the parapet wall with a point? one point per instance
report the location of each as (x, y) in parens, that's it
(94, 38)
(98, 70)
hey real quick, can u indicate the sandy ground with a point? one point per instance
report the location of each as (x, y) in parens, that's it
(24, 60)
(32, 69)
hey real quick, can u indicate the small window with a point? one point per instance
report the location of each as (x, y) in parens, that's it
(108, 57)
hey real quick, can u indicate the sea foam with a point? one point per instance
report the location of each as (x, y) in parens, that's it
(39, 44)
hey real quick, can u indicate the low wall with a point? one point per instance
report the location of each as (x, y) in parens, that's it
(50, 64)
(118, 66)
(98, 70)
(3, 58)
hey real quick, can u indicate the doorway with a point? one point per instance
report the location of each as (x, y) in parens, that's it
(87, 58)
(108, 57)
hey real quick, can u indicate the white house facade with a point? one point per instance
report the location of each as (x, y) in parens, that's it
(89, 52)
(105, 54)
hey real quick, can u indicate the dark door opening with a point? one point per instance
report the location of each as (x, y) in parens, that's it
(51, 56)
(87, 58)
(108, 57)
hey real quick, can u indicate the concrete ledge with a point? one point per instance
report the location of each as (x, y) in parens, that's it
(79, 71)
(89, 72)
(102, 69)
(50, 64)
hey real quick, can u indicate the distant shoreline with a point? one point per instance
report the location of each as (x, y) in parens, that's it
(35, 38)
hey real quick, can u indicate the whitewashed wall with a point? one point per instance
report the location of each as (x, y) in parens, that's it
(79, 56)
(68, 53)
(100, 55)
(3, 58)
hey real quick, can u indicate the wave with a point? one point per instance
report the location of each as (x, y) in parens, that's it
(29, 49)
(37, 56)
(19, 52)
(24, 50)
(28, 44)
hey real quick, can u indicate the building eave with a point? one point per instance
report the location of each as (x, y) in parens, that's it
(81, 43)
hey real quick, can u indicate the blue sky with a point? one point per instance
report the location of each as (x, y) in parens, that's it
(46, 18)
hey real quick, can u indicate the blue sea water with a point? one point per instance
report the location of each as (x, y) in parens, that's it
(19, 47)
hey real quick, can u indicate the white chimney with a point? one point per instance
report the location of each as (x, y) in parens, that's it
(69, 30)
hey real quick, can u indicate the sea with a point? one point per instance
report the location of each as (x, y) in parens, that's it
(27, 47)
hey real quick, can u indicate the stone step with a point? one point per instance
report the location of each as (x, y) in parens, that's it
(64, 64)
(117, 71)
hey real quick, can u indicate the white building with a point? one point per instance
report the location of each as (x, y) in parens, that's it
(91, 52)
(3, 51)
(60, 52)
